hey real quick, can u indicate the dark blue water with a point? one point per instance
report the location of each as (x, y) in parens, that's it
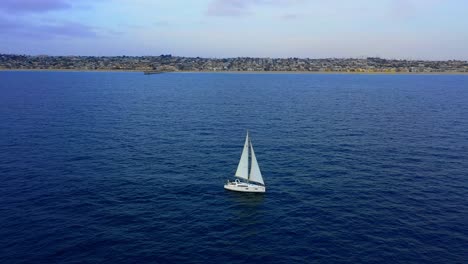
(128, 168)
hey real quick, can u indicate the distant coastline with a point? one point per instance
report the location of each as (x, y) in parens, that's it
(169, 63)
(242, 72)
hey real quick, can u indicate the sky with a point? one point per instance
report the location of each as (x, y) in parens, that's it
(394, 29)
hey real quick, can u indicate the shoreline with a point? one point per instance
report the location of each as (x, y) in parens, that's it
(242, 72)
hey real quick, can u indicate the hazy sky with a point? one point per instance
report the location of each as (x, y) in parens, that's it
(405, 29)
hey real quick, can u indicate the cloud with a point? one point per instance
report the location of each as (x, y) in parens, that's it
(30, 20)
(33, 6)
(289, 16)
(228, 8)
(406, 9)
(68, 29)
(243, 7)
(15, 28)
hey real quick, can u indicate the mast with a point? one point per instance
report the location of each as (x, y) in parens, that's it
(243, 167)
(248, 159)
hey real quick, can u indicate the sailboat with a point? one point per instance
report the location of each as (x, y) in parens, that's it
(247, 182)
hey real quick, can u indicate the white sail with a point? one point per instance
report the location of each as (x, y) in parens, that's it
(255, 174)
(243, 167)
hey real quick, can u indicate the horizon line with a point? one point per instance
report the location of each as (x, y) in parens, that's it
(238, 57)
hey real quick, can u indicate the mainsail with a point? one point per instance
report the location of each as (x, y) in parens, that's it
(243, 167)
(255, 174)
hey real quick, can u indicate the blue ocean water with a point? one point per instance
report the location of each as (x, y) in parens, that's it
(128, 168)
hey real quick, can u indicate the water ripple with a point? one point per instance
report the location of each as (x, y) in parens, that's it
(123, 167)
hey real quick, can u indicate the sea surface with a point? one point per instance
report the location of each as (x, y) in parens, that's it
(129, 168)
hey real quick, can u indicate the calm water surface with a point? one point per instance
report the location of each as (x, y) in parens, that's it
(128, 168)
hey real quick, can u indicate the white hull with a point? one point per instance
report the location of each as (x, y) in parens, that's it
(244, 187)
